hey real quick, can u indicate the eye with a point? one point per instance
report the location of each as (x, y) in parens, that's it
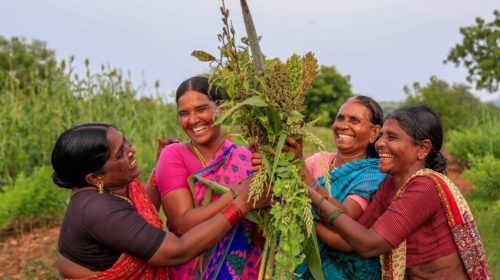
(355, 121)
(339, 118)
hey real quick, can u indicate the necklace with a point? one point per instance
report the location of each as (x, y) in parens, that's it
(199, 155)
(122, 197)
(333, 164)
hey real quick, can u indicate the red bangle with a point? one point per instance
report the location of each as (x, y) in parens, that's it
(152, 179)
(232, 213)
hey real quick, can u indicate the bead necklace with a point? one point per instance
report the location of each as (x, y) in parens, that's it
(199, 155)
(122, 197)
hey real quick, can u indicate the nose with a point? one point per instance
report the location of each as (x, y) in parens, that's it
(193, 119)
(379, 143)
(131, 151)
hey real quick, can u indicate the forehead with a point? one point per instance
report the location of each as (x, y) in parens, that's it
(353, 108)
(115, 138)
(193, 99)
(392, 125)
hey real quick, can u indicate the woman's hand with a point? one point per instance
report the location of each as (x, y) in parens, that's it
(162, 143)
(291, 145)
(294, 146)
(242, 191)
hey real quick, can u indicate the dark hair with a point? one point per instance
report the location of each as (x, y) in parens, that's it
(201, 85)
(420, 122)
(79, 151)
(376, 117)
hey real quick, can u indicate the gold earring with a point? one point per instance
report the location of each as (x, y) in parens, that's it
(100, 187)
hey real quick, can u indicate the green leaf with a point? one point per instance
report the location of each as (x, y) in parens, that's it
(274, 120)
(219, 189)
(256, 100)
(203, 56)
(279, 146)
(294, 117)
(313, 259)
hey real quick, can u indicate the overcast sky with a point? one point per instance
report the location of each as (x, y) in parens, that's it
(382, 44)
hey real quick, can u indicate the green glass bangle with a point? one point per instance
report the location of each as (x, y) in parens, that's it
(335, 213)
(323, 198)
(233, 193)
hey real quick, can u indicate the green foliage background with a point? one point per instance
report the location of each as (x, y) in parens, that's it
(35, 111)
(329, 91)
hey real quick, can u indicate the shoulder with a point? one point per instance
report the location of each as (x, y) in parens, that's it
(173, 150)
(423, 183)
(97, 207)
(320, 155)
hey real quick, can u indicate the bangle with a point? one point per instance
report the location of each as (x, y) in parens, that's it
(232, 213)
(335, 213)
(315, 185)
(233, 193)
(321, 200)
(152, 179)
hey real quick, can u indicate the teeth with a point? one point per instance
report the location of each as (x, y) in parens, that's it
(385, 156)
(199, 129)
(133, 163)
(343, 136)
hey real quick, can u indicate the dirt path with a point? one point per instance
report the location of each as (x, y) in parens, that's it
(31, 255)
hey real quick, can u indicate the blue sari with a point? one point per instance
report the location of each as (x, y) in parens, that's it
(362, 178)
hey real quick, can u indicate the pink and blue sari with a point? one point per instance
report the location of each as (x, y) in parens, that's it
(237, 255)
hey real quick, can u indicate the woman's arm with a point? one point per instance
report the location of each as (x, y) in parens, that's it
(365, 242)
(182, 215)
(176, 250)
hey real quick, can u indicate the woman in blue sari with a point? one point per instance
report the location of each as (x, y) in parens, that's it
(354, 176)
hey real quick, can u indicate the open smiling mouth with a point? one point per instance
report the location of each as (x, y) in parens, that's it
(199, 129)
(383, 155)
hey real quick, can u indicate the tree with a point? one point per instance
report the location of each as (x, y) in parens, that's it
(27, 65)
(479, 52)
(329, 91)
(455, 104)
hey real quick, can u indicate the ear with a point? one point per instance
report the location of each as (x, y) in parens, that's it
(93, 179)
(375, 133)
(221, 108)
(423, 149)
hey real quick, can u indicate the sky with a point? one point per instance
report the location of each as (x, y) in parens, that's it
(382, 45)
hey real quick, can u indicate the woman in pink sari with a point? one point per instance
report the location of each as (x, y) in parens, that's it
(209, 155)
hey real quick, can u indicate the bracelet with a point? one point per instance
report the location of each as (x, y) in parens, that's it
(233, 193)
(315, 185)
(232, 213)
(152, 179)
(335, 213)
(321, 200)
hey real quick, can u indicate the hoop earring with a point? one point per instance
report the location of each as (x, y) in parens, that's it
(216, 114)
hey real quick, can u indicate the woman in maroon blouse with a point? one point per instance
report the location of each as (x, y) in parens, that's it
(417, 220)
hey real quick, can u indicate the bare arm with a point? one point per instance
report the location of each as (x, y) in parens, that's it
(365, 242)
(182, 215)
(176, 250)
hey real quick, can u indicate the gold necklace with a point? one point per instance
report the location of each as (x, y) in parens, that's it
(333, 164)
(122, 197)
(199, 155)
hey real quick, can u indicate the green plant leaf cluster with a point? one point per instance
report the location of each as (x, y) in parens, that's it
(479, 53)
(266, 105)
